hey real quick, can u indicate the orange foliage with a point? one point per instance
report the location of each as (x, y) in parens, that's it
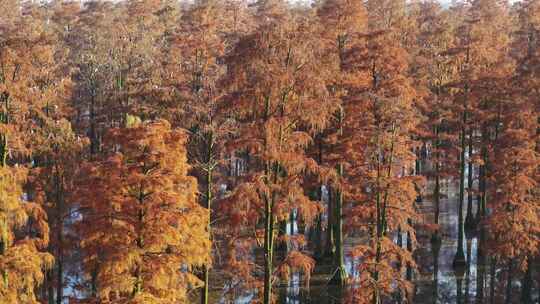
(143, 230)
(21, 261)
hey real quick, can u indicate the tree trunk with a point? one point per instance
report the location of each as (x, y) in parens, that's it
(481, 268)
(318, 226)
(330, 244)
(409, 271)
(50, 288)
(468, 271)
(492, 281)
(435, 249)
(93, 282)
(526, 290)
(60, 237)
(318, 229)
(3, 162)
(209, 181)
(340, 274)
(469, 220)
(509, 279)
(378, 235)
(435, 238)
(59, 278)
(459, 259)
(268, 252)
(481, 212)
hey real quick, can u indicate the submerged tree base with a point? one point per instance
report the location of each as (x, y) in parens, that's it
(459, 262)
(339, 278)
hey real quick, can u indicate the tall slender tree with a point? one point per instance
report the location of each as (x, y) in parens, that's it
(342, 22)
(484, 27)
(433, 72)
(386, 198)
(278, 94)
(196, 51)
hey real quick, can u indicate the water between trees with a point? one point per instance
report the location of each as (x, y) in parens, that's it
(435, 280)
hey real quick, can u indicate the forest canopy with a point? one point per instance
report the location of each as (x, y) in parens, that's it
(230, 151)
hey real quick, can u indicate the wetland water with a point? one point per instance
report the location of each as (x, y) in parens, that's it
(435, 279)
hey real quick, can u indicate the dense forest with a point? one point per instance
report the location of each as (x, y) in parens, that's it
(230, 151)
